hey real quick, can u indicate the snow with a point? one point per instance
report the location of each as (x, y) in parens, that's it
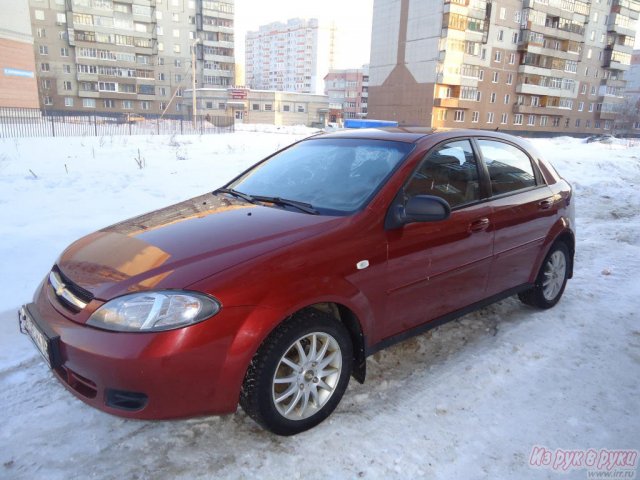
(467, 400)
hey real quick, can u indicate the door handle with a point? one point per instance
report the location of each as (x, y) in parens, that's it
(545, 204)
(479, 225)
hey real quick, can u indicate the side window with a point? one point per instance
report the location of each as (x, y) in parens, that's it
(449, 171)
(509, 167)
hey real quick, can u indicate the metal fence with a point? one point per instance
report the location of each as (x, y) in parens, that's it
(32, 122)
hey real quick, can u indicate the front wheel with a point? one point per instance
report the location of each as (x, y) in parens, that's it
(551, 280)
(299, 374)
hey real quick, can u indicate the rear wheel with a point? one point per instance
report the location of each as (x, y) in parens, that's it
(551, 279)
(299, 374)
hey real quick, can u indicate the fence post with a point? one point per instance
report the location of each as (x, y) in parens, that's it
(53, 127)
(181, 133)
(95, 124)
(158, 126)
(128, 123)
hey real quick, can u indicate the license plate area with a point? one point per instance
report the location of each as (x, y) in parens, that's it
(47, 343)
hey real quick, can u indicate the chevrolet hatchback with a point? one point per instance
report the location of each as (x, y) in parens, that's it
(271, 291)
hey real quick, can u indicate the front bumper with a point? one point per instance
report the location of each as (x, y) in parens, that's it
(177, 373)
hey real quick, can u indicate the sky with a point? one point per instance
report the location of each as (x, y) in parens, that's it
(352, 18)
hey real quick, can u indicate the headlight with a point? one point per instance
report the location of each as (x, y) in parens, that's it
(154, 311)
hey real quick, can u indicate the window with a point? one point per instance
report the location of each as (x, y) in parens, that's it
(517, 119)
(577, 122)
(43, 49)
(176, 17)
(176, 49)
(178, 78)
(459, 116)
(532, 120)
(507, 97)
(580, 106)
(66, 85)
(300, 108)
(286, 108)
(68, 101)
(39, 14)
(66, 68)
(497, 56)
(503, 13)
(47, 100)
(145, 105)
(490, 117)
(159, 31)
(509, 168)
(109, 103)
(46, 84)
(161, 76)
(127, 104)
(255, 107)
(61, 18)
(475, 117)
(495, 77)
(512, 58)
(509, 78)
(492, 98)
(41, 32)
(504, 118)
(591, 107)
(44, 67)
(64, 52)
(89, 102)
(543, 120)
(176, 33)
(450, 172)
(268, 107)
(177, 62)
(500, 35)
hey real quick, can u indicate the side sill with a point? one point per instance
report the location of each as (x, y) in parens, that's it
(436, 322)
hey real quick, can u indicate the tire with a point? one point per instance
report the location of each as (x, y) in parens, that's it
(287, 401)
(551, 279)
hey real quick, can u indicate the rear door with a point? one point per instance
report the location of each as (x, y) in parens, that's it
(437, 267)
(522, 213)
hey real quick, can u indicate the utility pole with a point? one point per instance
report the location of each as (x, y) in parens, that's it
(193, 81)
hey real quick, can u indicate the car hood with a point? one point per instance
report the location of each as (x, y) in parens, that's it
(182, 244)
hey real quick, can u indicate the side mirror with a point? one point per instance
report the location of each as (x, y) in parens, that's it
(426, 208)
(420, 208)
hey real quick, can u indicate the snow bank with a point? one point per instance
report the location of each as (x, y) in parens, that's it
(467, 400)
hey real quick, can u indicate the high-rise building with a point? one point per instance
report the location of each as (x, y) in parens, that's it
(348, 93)
(129, 55)
(293, 56)
(535, 65)
(18, 86)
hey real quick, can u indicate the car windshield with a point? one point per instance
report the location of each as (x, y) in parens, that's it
(335, 176)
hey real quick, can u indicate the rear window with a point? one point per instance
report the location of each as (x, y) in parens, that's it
(509, 167)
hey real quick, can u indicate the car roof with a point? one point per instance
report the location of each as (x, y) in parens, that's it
(398, 134)
(415, 134)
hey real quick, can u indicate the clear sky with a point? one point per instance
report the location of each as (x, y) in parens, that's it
(352, 18)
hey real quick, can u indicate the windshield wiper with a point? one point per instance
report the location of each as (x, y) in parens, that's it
(304, 207)
(236, 193)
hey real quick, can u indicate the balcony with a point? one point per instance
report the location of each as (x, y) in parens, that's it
(529, 109)
(576, 34)
(532, 89)
(452, 102)
(538, 49)
(619, 25)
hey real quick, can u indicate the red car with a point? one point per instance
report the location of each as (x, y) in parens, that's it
(272, 291)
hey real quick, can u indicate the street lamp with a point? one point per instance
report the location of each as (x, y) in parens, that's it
(193, 80)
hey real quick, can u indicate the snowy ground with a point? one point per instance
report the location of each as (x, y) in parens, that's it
(467, 400)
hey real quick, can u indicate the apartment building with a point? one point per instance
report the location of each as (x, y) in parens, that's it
(18, 87)
(516, 65)
(348, 92)
(294, 56)
(129, 56)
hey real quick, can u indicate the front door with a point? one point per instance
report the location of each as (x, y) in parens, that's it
(435, 268)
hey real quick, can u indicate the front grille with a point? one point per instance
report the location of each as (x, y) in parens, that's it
(73, 296)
